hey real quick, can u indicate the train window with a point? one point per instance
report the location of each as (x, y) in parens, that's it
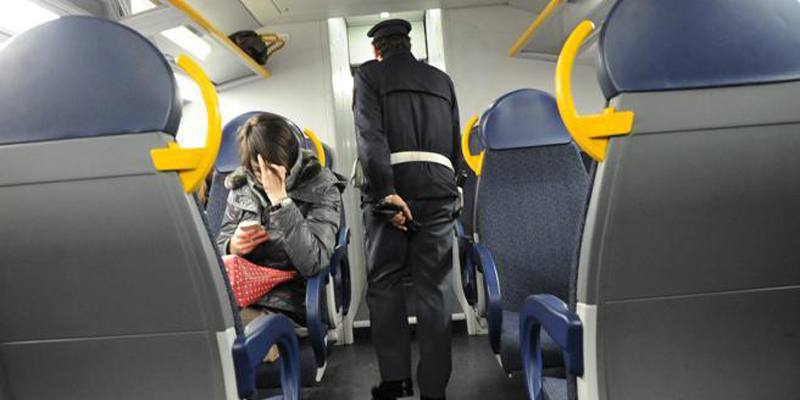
(138, 6)
(20, 15)
(192, 131)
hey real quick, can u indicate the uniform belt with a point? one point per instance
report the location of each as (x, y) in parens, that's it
(403, 157)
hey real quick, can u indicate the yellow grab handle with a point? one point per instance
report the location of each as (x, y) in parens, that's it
(193, 165)
(474, 161)
(591, 132)
(317, 145)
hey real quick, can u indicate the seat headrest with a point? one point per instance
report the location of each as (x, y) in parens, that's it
(78, 77)
(475, 143)
(521, 119)
(328, 155)
(308, 144)
(228, 158)
(656, 45)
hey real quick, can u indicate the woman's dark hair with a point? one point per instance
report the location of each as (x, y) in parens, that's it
(387, 43)
(271, 136)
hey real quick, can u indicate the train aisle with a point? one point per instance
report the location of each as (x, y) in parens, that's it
(353, 369)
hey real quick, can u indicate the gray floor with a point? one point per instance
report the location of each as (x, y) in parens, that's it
(352, 370)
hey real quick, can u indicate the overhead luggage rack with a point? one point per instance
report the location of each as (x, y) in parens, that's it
(546, 35)
(225, 62)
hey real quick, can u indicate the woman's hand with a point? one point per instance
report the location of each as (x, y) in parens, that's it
(273, 178)
(246, 238)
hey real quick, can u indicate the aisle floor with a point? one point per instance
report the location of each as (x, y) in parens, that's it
(353, 369)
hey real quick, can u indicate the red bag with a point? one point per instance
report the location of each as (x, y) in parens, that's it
(251, 282)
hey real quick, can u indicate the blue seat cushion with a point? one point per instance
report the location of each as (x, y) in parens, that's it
(530, 212)
(555, 389)
(509, 345)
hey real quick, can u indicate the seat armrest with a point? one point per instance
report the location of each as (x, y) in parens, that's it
(317, 331)
(469, 272)
(340, 273)
(249, 352)
(340, 270)
(342, 241)
(482, 258)
(564, 327)
(460, 234)
(343, 238)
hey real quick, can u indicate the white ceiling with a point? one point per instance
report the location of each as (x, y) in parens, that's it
(272, 12)
(534, 6)
(369, 20)
(227, 15)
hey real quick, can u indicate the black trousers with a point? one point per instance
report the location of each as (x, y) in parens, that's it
(427, 256)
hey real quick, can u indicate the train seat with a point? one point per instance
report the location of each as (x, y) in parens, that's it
(111, 287)
(530, 204)
(328, 155)
(227, 162)
(688, 285)
(324, 299)
(471, 153)
(340, 292)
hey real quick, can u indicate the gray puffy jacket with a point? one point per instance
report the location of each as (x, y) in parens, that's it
(302, 235)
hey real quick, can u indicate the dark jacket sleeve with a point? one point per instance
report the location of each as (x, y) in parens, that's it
(456, 157)
(373, 147)
(308, 241)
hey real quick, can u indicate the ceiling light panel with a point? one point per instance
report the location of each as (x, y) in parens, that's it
(188, 40)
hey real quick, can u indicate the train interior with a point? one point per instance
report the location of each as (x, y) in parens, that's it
(630, 217)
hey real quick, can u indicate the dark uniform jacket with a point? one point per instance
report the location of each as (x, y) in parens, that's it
(401, 104)
(302, 235)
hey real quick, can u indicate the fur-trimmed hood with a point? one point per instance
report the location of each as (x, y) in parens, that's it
(307, 181)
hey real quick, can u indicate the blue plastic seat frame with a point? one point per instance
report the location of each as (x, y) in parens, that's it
(249, 352)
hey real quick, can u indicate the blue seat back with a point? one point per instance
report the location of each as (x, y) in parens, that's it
(532, 196)
(120, 294)
(227, 161)
(689, 257)
(146, 101)
(688, 44)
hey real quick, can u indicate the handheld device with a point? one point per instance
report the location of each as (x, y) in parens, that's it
(250, 225)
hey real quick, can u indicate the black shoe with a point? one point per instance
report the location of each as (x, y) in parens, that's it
(431, 398)
(392, 390)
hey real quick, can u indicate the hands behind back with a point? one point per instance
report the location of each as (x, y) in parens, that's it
(246, 238)
(399, 220)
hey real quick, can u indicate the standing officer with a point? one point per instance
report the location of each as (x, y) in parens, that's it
(407, 131)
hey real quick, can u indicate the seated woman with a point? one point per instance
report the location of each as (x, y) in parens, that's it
(282, 213)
